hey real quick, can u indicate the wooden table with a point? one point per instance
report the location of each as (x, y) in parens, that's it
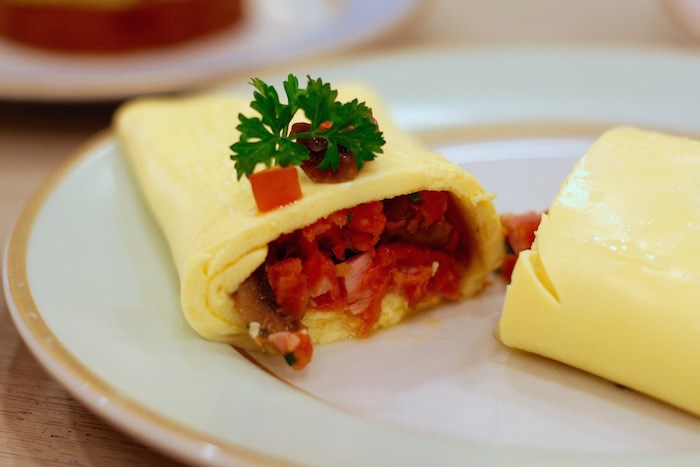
(40, 423)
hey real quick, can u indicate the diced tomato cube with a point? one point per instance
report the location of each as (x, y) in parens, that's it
(519, 229)
(321, 275)
(289, 285)
(369, 218)
(275, 187)
(433, 205)
(412, 282)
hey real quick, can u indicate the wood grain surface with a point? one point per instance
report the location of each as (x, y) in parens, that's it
(40, 423)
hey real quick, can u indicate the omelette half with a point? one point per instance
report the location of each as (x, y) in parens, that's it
(178, 150)
(611, 284)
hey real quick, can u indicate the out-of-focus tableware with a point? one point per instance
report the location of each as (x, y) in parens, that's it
(272, 32)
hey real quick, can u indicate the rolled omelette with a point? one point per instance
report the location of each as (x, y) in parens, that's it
(178, 151)
(611, 284)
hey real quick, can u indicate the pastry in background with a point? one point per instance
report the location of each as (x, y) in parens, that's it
(113, 26)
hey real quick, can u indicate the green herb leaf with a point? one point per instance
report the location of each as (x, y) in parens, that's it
(318, 102)
(291, 88)
(290, 358)
(266, 140)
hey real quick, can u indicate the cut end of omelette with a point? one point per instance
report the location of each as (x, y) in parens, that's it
(178, 149)
(612, 282)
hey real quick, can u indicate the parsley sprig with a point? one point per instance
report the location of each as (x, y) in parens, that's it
(266, 139)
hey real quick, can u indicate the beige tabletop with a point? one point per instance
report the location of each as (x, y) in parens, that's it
(40, 423)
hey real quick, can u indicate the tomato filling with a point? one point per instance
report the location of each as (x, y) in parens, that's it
(348, 262)
(518, 233)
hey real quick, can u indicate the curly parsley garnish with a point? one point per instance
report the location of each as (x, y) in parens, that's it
(266, 139)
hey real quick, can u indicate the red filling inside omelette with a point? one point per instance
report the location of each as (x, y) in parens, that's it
(518, 233)
(413, 245)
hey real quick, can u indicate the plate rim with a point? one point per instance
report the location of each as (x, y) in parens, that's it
(106, 401)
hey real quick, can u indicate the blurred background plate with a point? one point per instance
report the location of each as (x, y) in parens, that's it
(272, 32)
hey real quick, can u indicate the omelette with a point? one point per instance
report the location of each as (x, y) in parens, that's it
(611, 284)
(409, 231)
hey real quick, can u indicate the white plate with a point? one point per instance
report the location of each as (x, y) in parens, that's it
(272, 32)
(93, 292)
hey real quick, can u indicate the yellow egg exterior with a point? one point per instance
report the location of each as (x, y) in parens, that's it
(612, 282)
